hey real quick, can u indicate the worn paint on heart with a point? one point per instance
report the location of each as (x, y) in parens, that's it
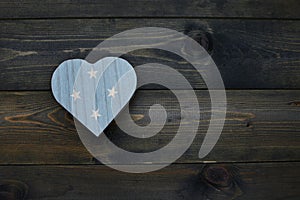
(94, 93)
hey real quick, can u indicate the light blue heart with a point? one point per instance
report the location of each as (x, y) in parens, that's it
(86, 90)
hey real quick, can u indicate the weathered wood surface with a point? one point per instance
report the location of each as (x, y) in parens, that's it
(261, 125)
(248, 53)
(266, 181)
(255, 44)
(137, 8)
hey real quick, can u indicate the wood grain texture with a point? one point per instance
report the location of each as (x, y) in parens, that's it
(144, 8)
(255, 44)
(248, 53)
(260, 125)
(266, 181)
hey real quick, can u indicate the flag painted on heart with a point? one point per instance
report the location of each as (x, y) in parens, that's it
(94, 93)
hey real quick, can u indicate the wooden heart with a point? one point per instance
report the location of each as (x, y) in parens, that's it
(94, 93)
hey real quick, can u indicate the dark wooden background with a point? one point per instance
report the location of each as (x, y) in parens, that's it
(256, 46)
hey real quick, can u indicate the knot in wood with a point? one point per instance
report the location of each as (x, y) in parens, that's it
(202, 37)
(217, 176)
(13, 190)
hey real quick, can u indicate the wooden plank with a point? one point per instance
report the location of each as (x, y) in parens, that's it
(195, 181)
(248, 53)
(261, 125)
(142, 8)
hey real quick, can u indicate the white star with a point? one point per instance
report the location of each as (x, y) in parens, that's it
(112, 92)
(95, 114)
(92, 73)
(75, 95)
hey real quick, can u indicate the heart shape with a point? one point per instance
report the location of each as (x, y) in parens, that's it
(94, 93)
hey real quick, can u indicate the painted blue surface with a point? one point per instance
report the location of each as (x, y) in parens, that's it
(102, 88)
